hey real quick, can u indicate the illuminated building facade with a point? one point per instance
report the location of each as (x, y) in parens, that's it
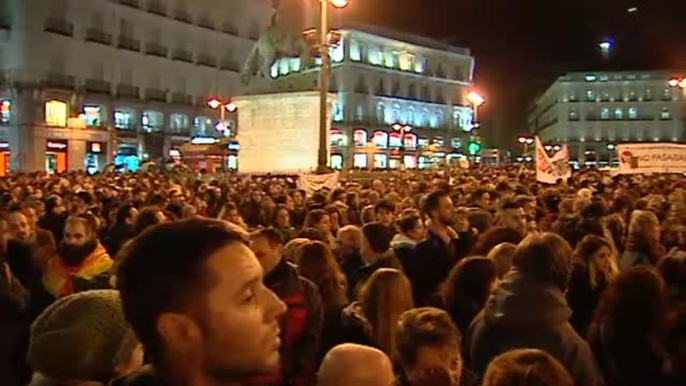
(384, 79)
(594, 111)
(86, 83)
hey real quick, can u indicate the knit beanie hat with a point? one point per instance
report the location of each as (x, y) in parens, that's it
(81, 337)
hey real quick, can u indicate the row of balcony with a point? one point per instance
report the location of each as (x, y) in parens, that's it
(157, 7)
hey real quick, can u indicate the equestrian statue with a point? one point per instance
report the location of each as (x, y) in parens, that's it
(282, 39)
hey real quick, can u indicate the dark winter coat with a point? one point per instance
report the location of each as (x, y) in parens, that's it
(301, 327)
(583, 299)
(54, 223)
(430, 264)
(525, 313)
(387, 261)
(14, 330)
(117, 236)
(355, 327)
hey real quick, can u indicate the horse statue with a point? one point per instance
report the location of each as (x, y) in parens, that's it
(282, 39)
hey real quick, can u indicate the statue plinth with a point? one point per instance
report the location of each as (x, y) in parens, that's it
(279, 133)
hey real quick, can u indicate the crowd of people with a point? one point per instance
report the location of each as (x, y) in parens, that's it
(444, 277)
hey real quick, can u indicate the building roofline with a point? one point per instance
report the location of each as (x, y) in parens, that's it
(406, 38)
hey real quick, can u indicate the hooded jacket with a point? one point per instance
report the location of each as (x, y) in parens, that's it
(527, 313)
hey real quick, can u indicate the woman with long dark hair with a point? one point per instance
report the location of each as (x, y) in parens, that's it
(318, 264)
(627, 331)
(281, 221)
(594, 268)
(467, 289)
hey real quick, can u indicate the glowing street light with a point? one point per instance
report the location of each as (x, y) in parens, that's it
(339, 3)
(674, 82)
(475, 99)
(611, 146)
(606, 45)
(214, 103)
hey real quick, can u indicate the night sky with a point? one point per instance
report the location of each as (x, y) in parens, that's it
(521, 46)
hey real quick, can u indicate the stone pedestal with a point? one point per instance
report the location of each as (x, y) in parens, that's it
(279, 133)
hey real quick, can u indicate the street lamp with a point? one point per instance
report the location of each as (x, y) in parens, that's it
(402, 129)
(476, 100)
(525, 141)
(323, 156)
(215, 103)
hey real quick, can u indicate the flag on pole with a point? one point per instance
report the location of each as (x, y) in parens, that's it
(549, 170)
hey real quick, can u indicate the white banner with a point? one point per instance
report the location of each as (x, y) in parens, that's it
(635, 158)
(551, 170)
(313, 182)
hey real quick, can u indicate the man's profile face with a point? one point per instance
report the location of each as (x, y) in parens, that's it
(514, 219)
(75, 234)
(19, 226)
(446, 210)
(268, 255)
(240, 327)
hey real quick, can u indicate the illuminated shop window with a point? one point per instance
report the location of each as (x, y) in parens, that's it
(5, 111)
(381, 139)
(56, 113)
(360, 160)
(337, 138)
(355, 51)
(360, 137)
(94, 115)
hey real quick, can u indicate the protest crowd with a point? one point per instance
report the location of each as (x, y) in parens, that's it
(445, 277)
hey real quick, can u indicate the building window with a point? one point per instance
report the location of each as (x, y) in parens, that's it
(419, 65)
(456, 143)
(375, 55)
(619, 113)
(605, 96)
(648, 96)
(605, 113)
(405, 61)
(360, 137)
(394, 140)
(359, 113)
(410, 141)
(380, 113)
(438, 142)
(665, 114)
(123, 119)
(633, 113)
(94, 116)
(338, 112)
(56, 113)
(423, 143)
(152, 121)
(360, 161)
(410, 116)
(337, 53)
(5, 112)
(337, 138)
(380, 161)
(202, 126)
(633, 96)
(667, 95)
(572, 96)
(573, 115)
(355, 51)
(179, 123)
(590, 95)
(395, 115)
(381, 139)
(389, 59)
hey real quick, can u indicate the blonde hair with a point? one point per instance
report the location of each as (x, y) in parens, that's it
(384, 297)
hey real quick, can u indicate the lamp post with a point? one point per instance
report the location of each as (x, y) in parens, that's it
(402, 129)
(525, 141)
(323, 156)
(476, 100)
(215, 103)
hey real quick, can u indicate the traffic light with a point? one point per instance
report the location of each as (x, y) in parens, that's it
(474, 147)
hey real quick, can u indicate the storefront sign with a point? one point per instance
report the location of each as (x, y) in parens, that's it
(204, 140)
(56, 146)
(234, 146)
(651, 158)
(174, 153)
(96, 147)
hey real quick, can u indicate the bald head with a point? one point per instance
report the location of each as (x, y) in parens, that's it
(352, 364)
